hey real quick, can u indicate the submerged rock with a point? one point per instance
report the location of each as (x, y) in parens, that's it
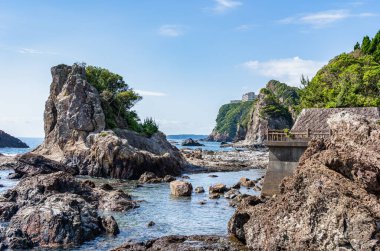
(331, 202)
(185, 243)
(181, 188)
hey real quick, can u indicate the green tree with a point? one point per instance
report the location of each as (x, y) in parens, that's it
(366, 44)
(357, 46)
(117, 99)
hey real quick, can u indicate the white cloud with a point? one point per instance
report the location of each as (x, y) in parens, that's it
(245, 27)
(287, 70)
(34, 51)
(225, 5)
(150, 93)
(171, 30)
(323, 18)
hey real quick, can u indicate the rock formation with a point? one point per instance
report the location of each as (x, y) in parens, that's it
(7, 140)
(331, 202)
(56, 210)
(271, 112)
(75, 134)
(191, 142)
(185, 243)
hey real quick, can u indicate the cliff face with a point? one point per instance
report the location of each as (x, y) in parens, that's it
(75, 136)
(331, 202)
(231, 122)
(7, 140)
(274, 110)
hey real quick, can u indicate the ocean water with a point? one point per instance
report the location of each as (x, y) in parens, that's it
(177, 140)
(182, 216)
(31, 142)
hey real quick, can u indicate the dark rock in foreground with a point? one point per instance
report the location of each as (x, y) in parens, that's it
(7, 140)
(191, 142)
(185, 243)
(331, 202)
(56, 210)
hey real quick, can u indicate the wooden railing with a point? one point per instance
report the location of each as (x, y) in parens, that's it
(280, 135)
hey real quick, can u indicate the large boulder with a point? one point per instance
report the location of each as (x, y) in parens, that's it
(76, 136)
(181, 188)
(56, 210)
(331, 202)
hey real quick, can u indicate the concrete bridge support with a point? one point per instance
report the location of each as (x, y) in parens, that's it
(283, 160)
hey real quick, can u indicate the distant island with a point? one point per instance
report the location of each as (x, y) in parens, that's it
(7, 140)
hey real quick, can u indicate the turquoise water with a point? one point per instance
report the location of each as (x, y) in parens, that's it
(173, 215)
(31, 142)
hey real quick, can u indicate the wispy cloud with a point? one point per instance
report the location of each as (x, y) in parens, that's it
(288, 70)
(225, 5)
(34, 51)
(246, 27)
(150, 93)
(171, 30)
(323, 18)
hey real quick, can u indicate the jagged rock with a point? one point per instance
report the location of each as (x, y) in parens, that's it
(75, 135)
(231, 194)
(7, 140)
(332, 200)
(32, 164)
(191, 142)
(60, 220)
(199, 190)
(247, 182)
(180, 188)
(185, 243)
(110, 225)
(218, 188)
(169, 178)
(56, 210)
(260, 121)
(149, 177)
(106, 187)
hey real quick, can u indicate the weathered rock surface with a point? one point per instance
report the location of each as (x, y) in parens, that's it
(7, 140)
(181, 188)
(185, 243)
(75, 135)
(56, 210)
(191, 142)
(218, 188)
(331, 202)
(149, 177)
(234, 160)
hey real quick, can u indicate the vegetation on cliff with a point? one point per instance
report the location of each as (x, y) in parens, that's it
(117, 100)
(348, 80)
(231, 116)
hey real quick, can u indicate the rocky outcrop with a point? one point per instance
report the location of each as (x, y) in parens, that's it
(191, 142)
(185, 243)
(269, 113)
(76, 137)
(56, 210)
(331, 202)
(7, 140)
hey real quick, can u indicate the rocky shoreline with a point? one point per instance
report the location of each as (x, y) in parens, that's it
(225, 161)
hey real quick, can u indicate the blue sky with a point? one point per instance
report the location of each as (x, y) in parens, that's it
(186, 58)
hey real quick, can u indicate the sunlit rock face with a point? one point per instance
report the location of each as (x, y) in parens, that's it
(75, 134)
(331, 202)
